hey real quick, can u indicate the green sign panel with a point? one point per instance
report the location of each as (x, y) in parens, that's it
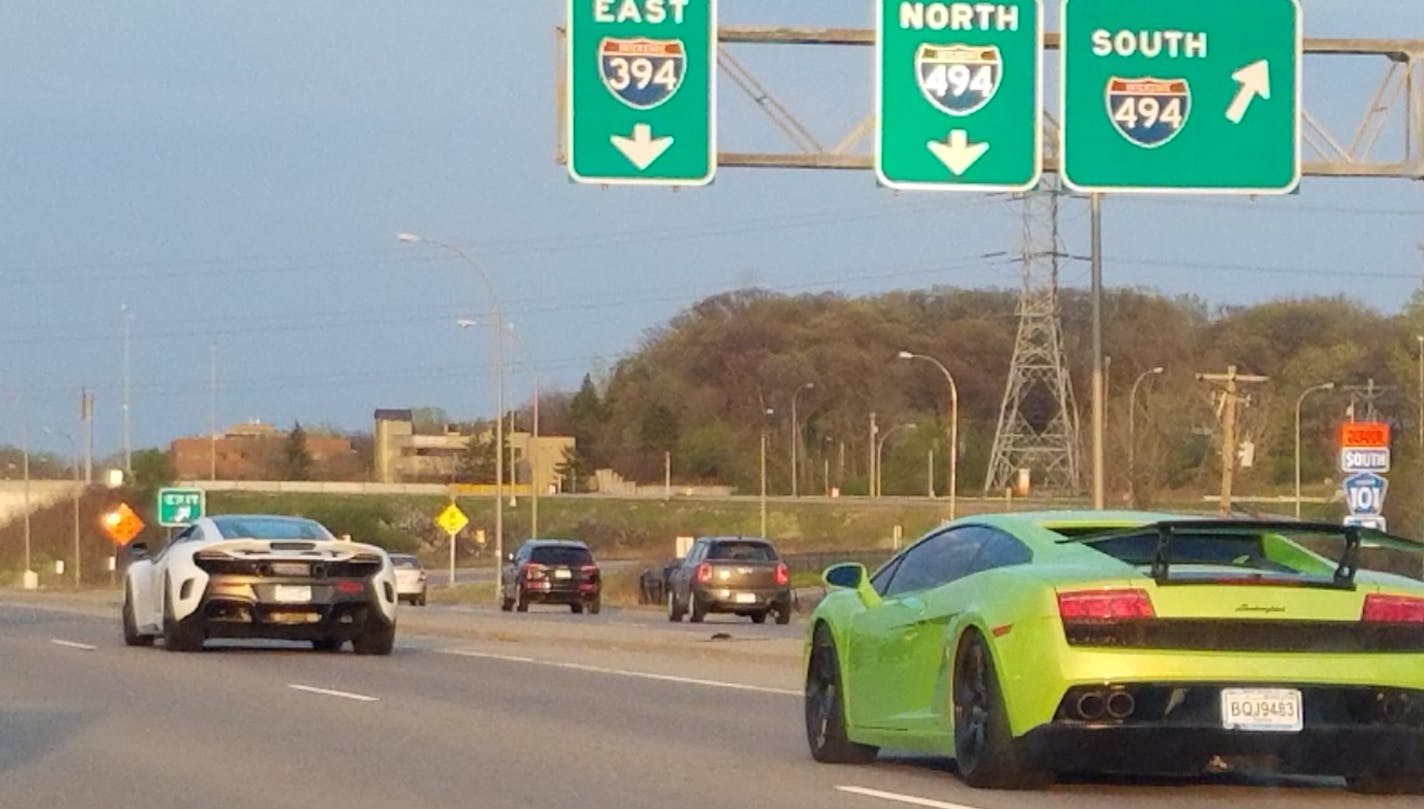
(1181, 97)
(642, 91)
(959, 91)
(181, 506)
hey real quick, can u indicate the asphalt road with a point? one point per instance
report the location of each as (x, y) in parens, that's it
(86, 722)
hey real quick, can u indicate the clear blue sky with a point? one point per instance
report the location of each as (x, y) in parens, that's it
(237, 171)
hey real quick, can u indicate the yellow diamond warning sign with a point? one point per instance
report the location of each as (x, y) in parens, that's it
(452, 519)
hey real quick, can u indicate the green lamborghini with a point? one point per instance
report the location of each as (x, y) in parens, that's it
(1030, 644)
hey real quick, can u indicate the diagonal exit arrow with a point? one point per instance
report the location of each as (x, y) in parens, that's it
(642, 149)
(956, 152)
(1254, 80)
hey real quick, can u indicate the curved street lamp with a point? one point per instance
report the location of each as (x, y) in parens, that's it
(411, 238)
(796, 439)
(879, 451)
(953, 423)
(1132, 433)
(1300, 400)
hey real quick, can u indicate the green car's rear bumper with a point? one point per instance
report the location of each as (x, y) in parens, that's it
(1176, 750)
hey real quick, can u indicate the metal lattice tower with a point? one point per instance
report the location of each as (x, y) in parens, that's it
(1038, 422)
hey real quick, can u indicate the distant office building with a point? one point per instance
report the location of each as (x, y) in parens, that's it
(404, 454)
(256, 451)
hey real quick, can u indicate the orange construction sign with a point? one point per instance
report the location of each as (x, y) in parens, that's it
(122, 524)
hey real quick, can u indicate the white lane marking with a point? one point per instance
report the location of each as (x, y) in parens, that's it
(311, 689)
(69, 644)
(899, 798)
(642, 675)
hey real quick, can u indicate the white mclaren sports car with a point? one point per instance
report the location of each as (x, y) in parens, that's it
(257, 576)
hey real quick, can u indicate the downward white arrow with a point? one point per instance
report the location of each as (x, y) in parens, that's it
(642, 150)
(1255, 80)
(957, 153)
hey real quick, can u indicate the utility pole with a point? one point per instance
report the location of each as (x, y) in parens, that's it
(535, 455)
(1229, 384)
(86, 416)
(870, 486)
(1370, 393)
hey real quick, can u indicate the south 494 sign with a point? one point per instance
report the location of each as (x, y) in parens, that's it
(1149, 112)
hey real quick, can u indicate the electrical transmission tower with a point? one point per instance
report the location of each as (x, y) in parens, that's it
(1038, 422)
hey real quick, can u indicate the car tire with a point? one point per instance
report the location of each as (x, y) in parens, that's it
(984, 747)
(758, 617)
(596, 605)
(177, 637)
(825, 707)
(376, 639)
(521, 601)
(697, 609)
(674, 614)
(576, 608)
(422, 598)
(1386, 785)
(783, 614)
(327, 645)
(132, 637)
(506, 604)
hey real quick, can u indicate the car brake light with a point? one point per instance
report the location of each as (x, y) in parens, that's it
(533, 571)
(783, 576)
(589, 568)
(1387, 609)
(349, 586)
(1104, 605)
(704, 572)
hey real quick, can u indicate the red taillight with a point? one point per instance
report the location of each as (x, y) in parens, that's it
(1104, 605)
(533, 571)
(783, 576)
(589, 570)
(1386, 609)
(350, 587)
(704, 572)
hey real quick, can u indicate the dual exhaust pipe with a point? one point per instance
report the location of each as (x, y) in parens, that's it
(1096, 704)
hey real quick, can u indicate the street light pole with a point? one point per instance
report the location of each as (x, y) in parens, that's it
(411, 238)
(78, 490)
(796, 440)
(1298, 402)
(213, 411)
(128, 444)
(879, 458)
(769, 413)
(1420, 339)
(953, 424)
(1132, 434)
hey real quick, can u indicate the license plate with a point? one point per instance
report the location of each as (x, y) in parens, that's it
(563, 574)
(746, 598)
(1261, 709)
(292, 593)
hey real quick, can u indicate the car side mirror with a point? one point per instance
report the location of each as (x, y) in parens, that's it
(138, 550)
(851, 576)
(509, 557)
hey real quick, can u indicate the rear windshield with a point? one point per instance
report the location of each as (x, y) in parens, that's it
(270, 528)
(742, 551)
(405, 561)
(557, 555)
(1236, 551)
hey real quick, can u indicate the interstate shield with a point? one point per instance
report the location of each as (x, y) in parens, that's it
(959, 79)
(1149, 112)
(642, 73)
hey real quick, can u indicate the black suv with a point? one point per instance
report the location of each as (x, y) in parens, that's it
(551, 571)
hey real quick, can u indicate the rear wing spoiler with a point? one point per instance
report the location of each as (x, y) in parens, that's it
(1354, 537)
